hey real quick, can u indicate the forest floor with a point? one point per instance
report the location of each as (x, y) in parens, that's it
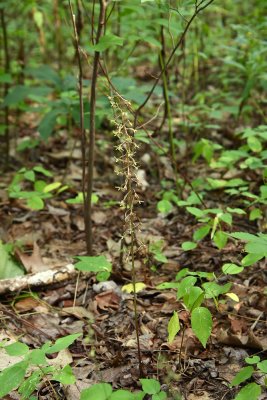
(103, 312)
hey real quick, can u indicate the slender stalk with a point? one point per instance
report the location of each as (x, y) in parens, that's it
(91, 150)
(82, 130)
(6, 86)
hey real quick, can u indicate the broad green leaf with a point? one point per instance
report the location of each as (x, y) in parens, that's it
(244, 236)
(16, 95)
(122, 394)
(30, 384)
(8, 267)
(35, 203)
(227, 218)
(93, 264)
(42, 170)
(251, 391)
(197, 212)
(164, 206)
(256, 247)
(51, 186)
(168, 285)
(11, 378)
(63, 343)
(251, 259)
(254, 144)
(29, 175)
(185, 286)
(263, 366)
(99, 391)
(129, 288)
(200, 233)
(186, 246)
(236, 210)
(48, 123)
(201, 321)
(108, 41)
(37, 357)
(193, 298)
(213, 290)
(173, 327)
(231, 269)
(17, 349)
(150, 386)
(255, 214)
(252, 360)
(159, 396)
(220, 239)
(65, 376)
(244, 374)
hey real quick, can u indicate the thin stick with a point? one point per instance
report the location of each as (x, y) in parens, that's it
(91, 150)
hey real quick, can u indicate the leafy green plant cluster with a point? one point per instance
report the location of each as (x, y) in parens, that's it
(25, 375)
(34, 367)
(39, 189)
(251, 391)
(103, 391)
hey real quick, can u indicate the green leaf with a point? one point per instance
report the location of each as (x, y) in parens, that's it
(213, 290)
(17, 349)
(244, 236)
(186, 246)
(193, 298)
(254, 144)
(35, 203)
(93, 264)
(173, 327)
(164, 206)
(99, 391)
(29, 175)
(197, 212)
(220, 239)
(51, 186)
(251, 259)
(244, 374)
(16, 95)
(200, 233)
(122, 394)
(30, 384)
(263, 366)
(256, 247)
(8, 267)
(63, 343)
(252, 360)
(37, 357)
(251, 391)
(159, 396)
(150, 386)
(231, 269)
(256, 213)
(201, 321)
(108, 41)
(11, 377)
(48, 123)
(185, 286)
(226, 217)
(65, 376)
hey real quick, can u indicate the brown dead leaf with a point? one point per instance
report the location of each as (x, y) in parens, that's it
(34, 262)
(250, 340)
(27, 304)
(106, 300)
(238, 326)
(78, 312)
